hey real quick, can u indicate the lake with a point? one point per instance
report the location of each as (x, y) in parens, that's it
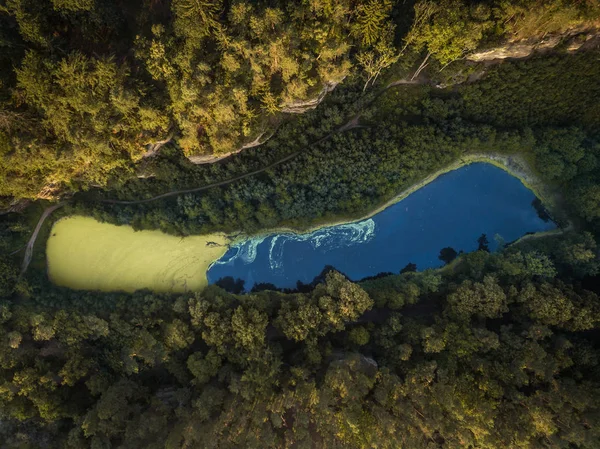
(452, 211)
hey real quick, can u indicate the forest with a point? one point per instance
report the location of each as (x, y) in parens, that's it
(89, 87)
(501, 351)
(405, 134)
(494, 350)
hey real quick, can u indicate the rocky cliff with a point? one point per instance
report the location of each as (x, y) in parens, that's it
(298, 107)
(573, 41)
(295, 107)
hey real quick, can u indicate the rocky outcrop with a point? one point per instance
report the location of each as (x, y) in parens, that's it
(212, 158)
(295, 107)
(209, 158)
(574, 40)
(478, 63)
(152, 148)
(300, 106)
(514, 50)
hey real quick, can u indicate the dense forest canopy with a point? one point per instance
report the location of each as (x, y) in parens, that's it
(406, 134)
(495, 350)
(88, 86)
(501, 352)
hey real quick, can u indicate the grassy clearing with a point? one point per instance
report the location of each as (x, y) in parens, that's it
(85, 254)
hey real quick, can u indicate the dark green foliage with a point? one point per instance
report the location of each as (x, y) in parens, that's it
(553, 90)
(409, 268)
(496, 350)
(483, 242)
(8, 277)
(447, 254)
(467, 360)
(231, 285)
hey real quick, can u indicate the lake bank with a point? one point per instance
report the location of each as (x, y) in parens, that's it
(453, 212)
(101, 256)
(513, 164)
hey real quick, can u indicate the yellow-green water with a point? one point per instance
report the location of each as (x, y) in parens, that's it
(83, 253)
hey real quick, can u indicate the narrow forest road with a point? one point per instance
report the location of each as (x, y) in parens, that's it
(353, 123)
(32, 239)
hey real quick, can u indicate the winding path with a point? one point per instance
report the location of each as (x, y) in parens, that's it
(353, 123)
(32, 239)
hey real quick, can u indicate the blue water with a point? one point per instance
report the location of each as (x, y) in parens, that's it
(454, 210)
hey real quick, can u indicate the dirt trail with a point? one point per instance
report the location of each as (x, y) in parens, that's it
(32, 239)
(352, 124)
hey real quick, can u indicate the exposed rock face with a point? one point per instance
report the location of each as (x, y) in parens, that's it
(211, 158)
(514, 50)
(298, 107)
(574, 40)
(584, 42)
(152, 148)
(523, 49)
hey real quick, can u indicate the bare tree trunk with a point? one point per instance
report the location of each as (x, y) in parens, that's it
(367, 83)
(421, 67)
(153, 148)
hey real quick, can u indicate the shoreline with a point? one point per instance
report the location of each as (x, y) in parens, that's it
(538, 235)
(514, 165)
